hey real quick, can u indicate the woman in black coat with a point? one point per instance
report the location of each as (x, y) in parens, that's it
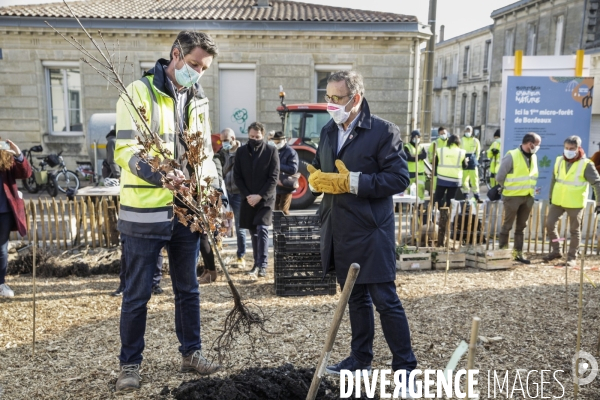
(255, 173)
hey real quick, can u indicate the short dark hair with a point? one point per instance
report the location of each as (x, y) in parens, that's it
(353, 80)
(497, 133)
(188, 40)
(530, 137)
(454, 139)
(441, 128)
(258, 127)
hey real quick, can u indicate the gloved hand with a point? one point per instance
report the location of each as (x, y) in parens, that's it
(597, 209)
(331, 182)
(314, 173)
(225, 201)
(495, 152)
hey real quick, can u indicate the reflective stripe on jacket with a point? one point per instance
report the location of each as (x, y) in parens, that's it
(522, 180)
(449, 168)
(570, 187)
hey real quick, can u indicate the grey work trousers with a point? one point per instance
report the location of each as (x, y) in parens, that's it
(575, 216)
(519, 208)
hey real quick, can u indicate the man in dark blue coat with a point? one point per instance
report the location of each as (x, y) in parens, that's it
(359, 166)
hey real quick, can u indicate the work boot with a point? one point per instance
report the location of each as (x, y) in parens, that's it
(195, 362)
(253, 271)
(571, 262)
(118, 292)
(156, 289)
(208, 277)
(262, 272)
(555, 255)
(350, 364)
(476, 196)
(129, 378)
(503, 241)
(5, 291)
(518, 256)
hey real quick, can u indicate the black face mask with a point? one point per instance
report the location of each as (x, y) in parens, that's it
(255, 143)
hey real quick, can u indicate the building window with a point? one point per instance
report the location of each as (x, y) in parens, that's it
(509, 42)
(440, 67)
(455, 64)
(436, 108)
(486, 55)
(444, 110)
(473, 108)
(530, 49)
(559, 32)
(466, 61)
(463, 110)
(484, 106)
(63, 86)
(323, 72)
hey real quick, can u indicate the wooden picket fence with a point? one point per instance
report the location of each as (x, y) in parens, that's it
(66, 225)
(418, 227)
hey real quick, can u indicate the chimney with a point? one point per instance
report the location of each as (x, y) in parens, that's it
(441, 34)
(262, 3)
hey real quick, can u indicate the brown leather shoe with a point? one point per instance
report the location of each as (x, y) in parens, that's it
(129, 378)
(195, 362)
(208, 277)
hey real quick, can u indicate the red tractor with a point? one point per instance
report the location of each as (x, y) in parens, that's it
(301, 124)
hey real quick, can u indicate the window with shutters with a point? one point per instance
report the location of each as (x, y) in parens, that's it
(63, 87)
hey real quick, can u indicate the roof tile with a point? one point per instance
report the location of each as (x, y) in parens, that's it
(242, 10)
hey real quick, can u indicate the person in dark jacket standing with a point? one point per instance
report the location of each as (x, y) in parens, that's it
(233, 193)
(255, 173)
(110, 168)
(288, 166)
(13, 166)
(360, 165)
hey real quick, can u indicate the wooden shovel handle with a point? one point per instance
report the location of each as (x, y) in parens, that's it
(333, 330)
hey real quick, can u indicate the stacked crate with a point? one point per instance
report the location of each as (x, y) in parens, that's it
(298, 270)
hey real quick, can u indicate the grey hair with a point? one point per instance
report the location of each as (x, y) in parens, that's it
(188, 40)
(353, 80)
(576, 140)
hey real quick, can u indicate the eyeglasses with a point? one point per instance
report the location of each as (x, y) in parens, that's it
(334, 98)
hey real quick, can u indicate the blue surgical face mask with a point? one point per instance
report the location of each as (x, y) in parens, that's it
(271, 143)
(227, 145)
(187, 76)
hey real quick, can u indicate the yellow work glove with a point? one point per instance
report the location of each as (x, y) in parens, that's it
(314, 173)
(330, 182)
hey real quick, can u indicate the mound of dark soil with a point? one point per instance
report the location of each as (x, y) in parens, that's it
(285, 382)
(53, 266)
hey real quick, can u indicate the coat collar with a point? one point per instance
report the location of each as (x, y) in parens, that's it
(161, 82)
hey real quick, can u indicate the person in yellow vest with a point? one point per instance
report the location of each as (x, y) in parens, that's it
(493, 154)
(415, 153)
(174, 102)
(518, 175)
(441, 141)
(449, 171)
(470, 178)
(569, 188)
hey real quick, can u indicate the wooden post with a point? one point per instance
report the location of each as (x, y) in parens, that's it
(106, 222)
(415, 223)
(419, 225)
(545, 214)
(567, 225)
(437, 220)
(429, 206)
(489, 225)
(34, 282)
(470, 226)
(27, 219)
(83, 213)
(42, 222)
(496, 225)
(484, 214)
(55, 210)
(333, 330)
(579, 319)
(472, 349)
(463, 209)
(92, 221)
(64, 223)
(587, 235)
(537, 225)
(476, 224)
(33, 220)
(448, 242)
(431, 188)
(407, 225)
(400, 215)
(71, 230)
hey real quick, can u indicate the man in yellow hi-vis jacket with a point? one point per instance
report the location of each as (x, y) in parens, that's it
(173, 102)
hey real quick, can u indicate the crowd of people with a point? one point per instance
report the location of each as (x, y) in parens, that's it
(360, 164)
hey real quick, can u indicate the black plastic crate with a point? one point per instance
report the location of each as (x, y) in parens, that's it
(294, 268)
(283, 223)
(297, 258)
(283, 244)
(302, 286)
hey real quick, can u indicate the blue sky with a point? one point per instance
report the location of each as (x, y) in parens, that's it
(450, 13)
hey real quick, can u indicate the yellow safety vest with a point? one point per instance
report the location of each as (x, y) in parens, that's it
(439, 143)
(412, 164)
(450, 161)
(145, 207)
(521, 181)
(570, 187)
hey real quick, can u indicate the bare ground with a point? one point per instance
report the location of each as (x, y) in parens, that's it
(523, 309)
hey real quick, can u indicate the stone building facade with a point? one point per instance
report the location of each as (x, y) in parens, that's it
(461, 80)
(47, 94)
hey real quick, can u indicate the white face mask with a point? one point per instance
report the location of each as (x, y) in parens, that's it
(535, 149)
(338, 112)
(570, 153)
(468, 134)
(444, 136)
(187, 76)
(416, 141)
